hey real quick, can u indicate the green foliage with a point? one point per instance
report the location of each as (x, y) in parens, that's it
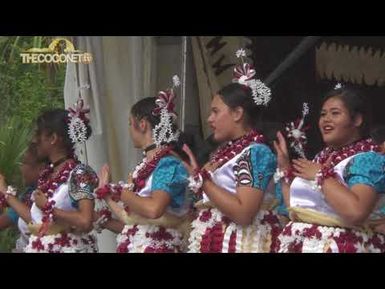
(8, 238)
(25, 91)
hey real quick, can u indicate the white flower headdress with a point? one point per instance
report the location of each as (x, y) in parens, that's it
(163, 131)
(244, 75)
(296, 132)
(338, 86)
(77, 122)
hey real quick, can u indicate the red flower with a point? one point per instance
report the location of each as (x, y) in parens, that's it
(312, 232)
(102, 192)
(295, 247)
(37, 244)
(233, 242)
(270, 218)
(161, 234)
(122, 248)
(287, 229)
(205, 216)
(206, 241)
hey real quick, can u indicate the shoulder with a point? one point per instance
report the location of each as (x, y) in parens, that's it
(170, 161)
(83, 169)
(262, 151)
(368, 159)
(84, 173)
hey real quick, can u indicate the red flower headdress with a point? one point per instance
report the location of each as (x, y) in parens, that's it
(244, 74)
(163, 132)
(77, 122)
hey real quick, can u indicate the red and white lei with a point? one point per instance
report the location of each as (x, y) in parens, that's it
(214, 233)
(149, 239)
(49, 185)
(299, 237)
(336, 156)
(139, 176)
(62, 243)
(222, 156)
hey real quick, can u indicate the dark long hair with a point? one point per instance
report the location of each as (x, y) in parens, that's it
(143, 110)
(236, 95)
(356, 103)
(378, 134)
(56, 121)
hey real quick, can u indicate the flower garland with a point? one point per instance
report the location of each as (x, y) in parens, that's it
(339, 155)
(139, 176)
(63, 243)
(299, 237)
(145, 169)
(222, 156)
(215, 233)
(336, 156)
(148, 239)
(233, 148)
(49, 185)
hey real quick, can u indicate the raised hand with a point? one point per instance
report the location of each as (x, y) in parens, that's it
(104, 176)
(192, 165)
(280, 146)
(306, 169)
(40, 198)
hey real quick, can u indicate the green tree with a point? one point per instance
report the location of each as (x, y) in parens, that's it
(25, 91)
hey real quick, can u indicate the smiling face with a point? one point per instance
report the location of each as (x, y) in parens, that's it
(338, 127)
(221, 120)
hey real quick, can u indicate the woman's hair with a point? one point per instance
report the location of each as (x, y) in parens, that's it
(356, 103)
(236, 95)
(55, 121)
(143, 110)
(378, 134)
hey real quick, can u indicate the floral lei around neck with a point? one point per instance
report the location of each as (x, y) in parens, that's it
(339, 155)
(145, 168)
(139, 176)
(233, 148)
(49, 185)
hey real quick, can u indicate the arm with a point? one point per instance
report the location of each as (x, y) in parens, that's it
(354, 202)
(113, 225)
(20, 208)
(284, 164)
(240, 208)
(116, 209)
(151, 207)
(244, 205)
(285, 193)
(353, 205)
(81, 218)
